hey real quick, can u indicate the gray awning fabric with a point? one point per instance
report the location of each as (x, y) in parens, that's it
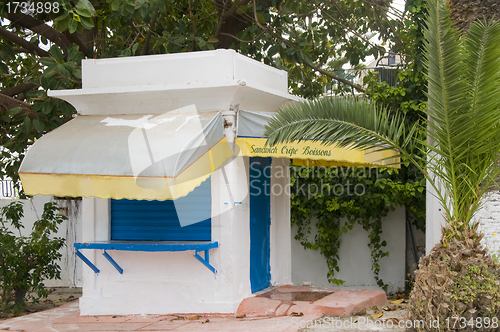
(127, 156)
(252, 124)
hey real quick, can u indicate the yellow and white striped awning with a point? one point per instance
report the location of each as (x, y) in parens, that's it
(251, 142)
(127, 156)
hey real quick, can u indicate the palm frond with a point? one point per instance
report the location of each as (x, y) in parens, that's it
(446, 91)
(347, 122)
(482, 73)
(463, 116)
(464, 108)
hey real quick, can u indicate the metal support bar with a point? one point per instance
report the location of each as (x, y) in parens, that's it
(412, 238)
(86, 261)
(205, 261)
(113, 262)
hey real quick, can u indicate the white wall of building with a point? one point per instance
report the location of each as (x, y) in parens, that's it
(281, 258)
(355, 259)
(489, 219)
(166, 282)
(71, 273)
(434, 219)
(175, 282)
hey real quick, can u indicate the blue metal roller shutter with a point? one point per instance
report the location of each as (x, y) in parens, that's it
(158, 220)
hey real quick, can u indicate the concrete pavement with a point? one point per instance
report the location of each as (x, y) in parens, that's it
(285, 309)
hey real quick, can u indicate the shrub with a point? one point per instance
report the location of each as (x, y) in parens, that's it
(26, 261)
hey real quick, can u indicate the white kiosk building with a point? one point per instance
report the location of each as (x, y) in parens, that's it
(184, 210)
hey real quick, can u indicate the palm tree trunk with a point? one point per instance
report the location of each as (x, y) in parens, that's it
(464, 12)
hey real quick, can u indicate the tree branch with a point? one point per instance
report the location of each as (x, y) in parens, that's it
(230, 24)
(335, 77)
(40, 28)
(234, 8)
(10, 102)
(193, 26)
(305, 62)
(72, 37)
(347, 27)
(20, 88)
(241, 40)
(136, 30)
(145, 47)
(22, 50)
(221, 12)
(22, 42)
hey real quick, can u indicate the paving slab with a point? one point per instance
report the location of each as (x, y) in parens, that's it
(345, 302)
(258, 306)
(311, 301)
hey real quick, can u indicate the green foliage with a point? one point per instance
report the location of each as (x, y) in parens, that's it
(338, 198)
(351, 126)
(477, 282)
(23, 125)
(464, 135)
(26, 261)
(279, 33)
(408, 95)
(463, 139)
(383, 190)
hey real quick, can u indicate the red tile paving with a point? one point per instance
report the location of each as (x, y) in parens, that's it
(262, 314)
(335, 302)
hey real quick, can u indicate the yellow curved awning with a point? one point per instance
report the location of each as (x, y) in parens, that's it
(153, 157)
(251, 143)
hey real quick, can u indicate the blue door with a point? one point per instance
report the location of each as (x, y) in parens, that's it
(260, 223)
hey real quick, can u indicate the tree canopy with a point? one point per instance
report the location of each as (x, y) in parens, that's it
(460, 150)
(42, 45)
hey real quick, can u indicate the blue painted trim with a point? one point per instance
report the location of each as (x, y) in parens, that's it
(149, 246)
(239, 136)
(251, 136)
(86, 261)
(205, 261)
(113, 262)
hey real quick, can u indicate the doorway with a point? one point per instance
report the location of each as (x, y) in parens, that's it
(260, 223)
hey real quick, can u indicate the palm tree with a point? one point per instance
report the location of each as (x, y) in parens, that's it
(460, 157)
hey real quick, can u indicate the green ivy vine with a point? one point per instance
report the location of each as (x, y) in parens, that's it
(332, 212)
(334, 199)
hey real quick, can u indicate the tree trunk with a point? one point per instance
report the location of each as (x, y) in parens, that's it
(19, 294)
(464, 12)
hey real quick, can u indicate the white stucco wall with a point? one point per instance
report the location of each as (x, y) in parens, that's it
(71, 268)
(175, 282)
(489, 219)
(355, 260)
(281, 257)
(166, 282)
(434, 219)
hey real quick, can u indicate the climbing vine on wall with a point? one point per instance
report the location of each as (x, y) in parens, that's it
(339, 197)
